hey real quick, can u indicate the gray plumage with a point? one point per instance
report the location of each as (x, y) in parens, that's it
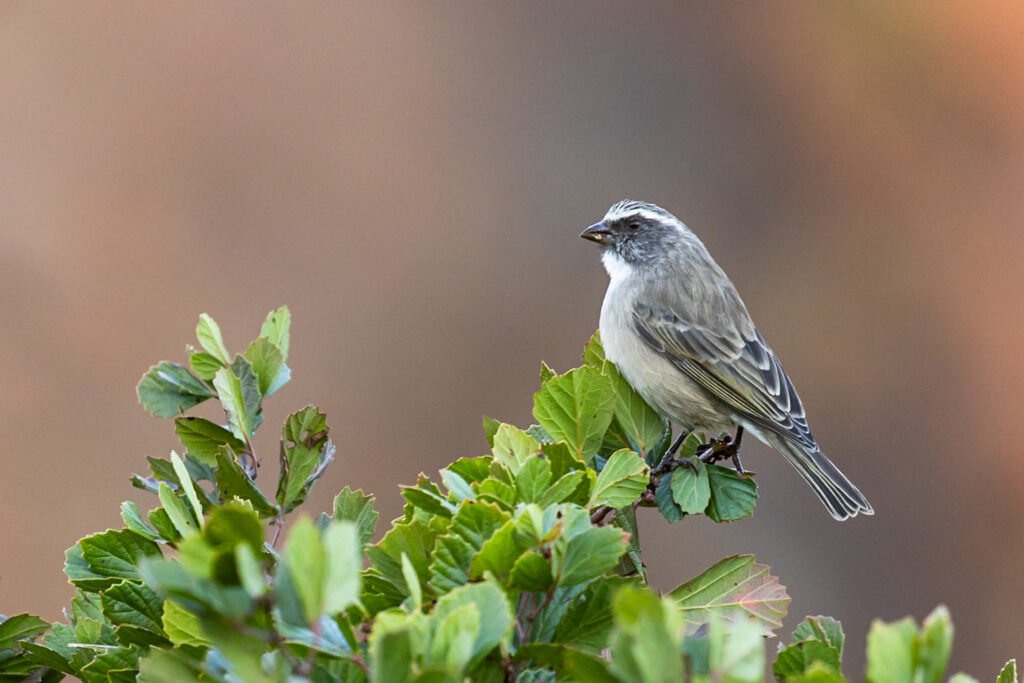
(674, 324)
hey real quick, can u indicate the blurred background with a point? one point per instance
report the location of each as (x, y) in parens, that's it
(411, 178)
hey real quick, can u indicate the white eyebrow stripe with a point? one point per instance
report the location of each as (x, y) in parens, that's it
(615, 215)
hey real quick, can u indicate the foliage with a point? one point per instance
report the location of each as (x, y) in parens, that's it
(519, 565)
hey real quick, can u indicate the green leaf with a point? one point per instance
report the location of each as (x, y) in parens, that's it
(691, 487)
(588, 621)
(646, 641)
(934, 646)
(737, 589)
(593, 352)
(233, 482)
(571, 664)
(576, 408)
(392, 645)
(411, 538)
(891, 651)
(665, 500)
(204, 365)
(513, 447)
(498, 553)
(306, 451)
(357, 507)
(531, 572)
(733, 496)
(181, 626)
(1009, 673)
(533, 479)
(208, 333)
(825, 629)
(490, 426)
(546, 372)
(961, 677)
(20, 627)
(344, 560)
(563, 490)
(492, 604)
(473, 524)
(168, 389)
(103, 667)
(306, 561)
(472, 470)
(622, 480)
(129, 604)
(175, 508)
(817, 645)
(100, 560)
(202, 438)
(458, 487)
(587, 555)
(452, 638)
(245, 654)
(132, 519)
(238, 390)
(187, 486)
(736, 652)
(277, 329)
(268, 364)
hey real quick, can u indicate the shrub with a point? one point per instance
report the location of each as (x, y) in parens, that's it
(520, 565)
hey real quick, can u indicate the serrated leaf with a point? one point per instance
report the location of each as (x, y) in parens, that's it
(277, 329)
(570, 663)
(412, 538)
(733, 495)
(181, 626)
(533, 479)
(357, 507)
(233, 482)
(239, 393)
(168, 389)
(593, 352)
(268, 364)
(563, 490)
(306, 451)
(825, 629)
(490, 427)
(622, 480)
(132, 519)
(210, 338)
(392, 645)
(1008, 674)
(513, 447)
(202, 438)
(691, 487)
(100, 560)
(735, 589)
(531, 572)
(204, 365)
(497, 554)
(576, 408)
(131, 604)
(546, 372)
(473, 524)
(588, 621)
(344, 558)
(20, 627)
(187, 486)
(587, 555)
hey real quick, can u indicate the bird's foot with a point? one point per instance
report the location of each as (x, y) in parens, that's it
(723, 449)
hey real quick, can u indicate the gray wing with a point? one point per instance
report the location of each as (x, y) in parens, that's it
(734, 365)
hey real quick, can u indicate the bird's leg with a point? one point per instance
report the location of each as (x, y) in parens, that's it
(674, 448)
(666, 460)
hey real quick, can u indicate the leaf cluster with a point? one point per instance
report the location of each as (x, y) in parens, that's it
(522, 564)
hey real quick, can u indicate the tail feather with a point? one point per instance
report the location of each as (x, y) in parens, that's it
(839, 495)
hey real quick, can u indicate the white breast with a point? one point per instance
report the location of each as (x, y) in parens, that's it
(660, 383)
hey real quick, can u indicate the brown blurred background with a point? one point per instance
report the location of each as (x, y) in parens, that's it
(411, 177)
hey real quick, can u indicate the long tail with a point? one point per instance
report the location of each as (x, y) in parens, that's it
(837, 493)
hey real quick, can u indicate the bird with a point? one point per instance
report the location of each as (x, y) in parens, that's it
(676, 328)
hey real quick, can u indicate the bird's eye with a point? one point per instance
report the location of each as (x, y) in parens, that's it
(634, 225)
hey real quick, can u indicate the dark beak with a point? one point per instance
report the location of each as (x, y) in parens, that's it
(598, 232)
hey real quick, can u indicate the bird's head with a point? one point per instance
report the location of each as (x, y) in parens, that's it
(638, 233)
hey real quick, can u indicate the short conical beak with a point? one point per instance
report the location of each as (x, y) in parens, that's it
(598, 232)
